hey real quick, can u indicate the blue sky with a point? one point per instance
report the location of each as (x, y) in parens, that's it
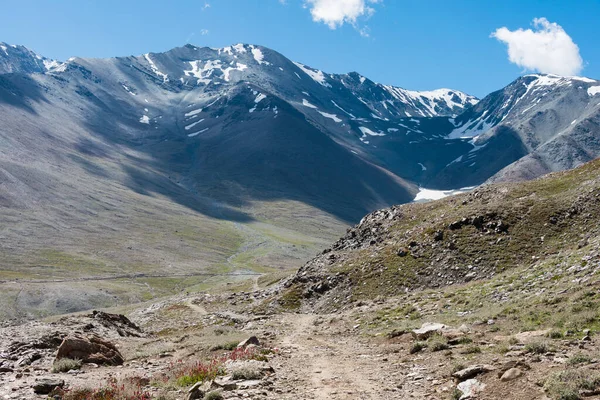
(416, 44)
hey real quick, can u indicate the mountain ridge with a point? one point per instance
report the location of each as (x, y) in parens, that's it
(203, 160)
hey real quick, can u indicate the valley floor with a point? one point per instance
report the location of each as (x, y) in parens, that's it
(346, 355)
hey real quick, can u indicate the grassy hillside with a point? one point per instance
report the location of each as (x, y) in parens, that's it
(493, 231)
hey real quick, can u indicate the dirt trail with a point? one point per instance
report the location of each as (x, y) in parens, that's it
(316, 364)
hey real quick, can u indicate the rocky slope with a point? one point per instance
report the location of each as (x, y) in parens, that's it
(536, 125)
(487, 295)
(474, 236)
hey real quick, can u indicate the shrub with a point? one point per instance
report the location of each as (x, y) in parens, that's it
(188, 374)
(66, 364)
(472, 350)
(214, 395)
(565, 385)
(456, 394)
(579, 358)
(537, 348)
(555, 334)
(438, 343)
(247, 373)
(225, 346)
(199, 372)
(417, 347)
(113, 390)
(465, 340)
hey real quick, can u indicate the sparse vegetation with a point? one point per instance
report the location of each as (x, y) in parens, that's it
(186, 374)
(417, 347)
(225, 346)
(437, 343)
(579, 358)
(567, 385)
(537, 348)
(213, 395)
(471, 350)
(66, 365)
(555, 334)
(113, 390)
(247, 373)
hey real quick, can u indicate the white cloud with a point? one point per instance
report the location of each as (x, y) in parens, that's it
(547, 48)
(334, 13)
(204, 32)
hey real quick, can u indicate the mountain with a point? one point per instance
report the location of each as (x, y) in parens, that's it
(191, 162)
(19, 59)
(535, 125)
(497, 230)
(236, 160)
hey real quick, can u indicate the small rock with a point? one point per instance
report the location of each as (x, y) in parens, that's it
(251, 340)
(402, 253)
(45, 386)
(511, 374)
(470, 388)
(472, 371)
(199, 390)
(428, 329)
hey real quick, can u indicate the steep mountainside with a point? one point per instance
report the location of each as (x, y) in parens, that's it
(535, 125)
(476, 236)
(191, 162)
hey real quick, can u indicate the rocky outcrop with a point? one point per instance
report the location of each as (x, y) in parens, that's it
(45, 386)
(90, 349)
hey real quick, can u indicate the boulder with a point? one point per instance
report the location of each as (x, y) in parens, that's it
(524, 337)
(199, 390)
(428, 329)
(511, 374)
(470, 388)
(224, 383)
(513, 364)
(118, 322)
(251, 340)
(45, 386)
(472, 371)
(90, 349)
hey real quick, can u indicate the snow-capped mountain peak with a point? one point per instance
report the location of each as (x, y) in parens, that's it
(15, 58)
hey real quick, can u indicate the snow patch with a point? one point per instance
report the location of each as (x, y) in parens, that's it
(240, 48)
(154, 69)
(259, 56)
(305, 103)
(367, 131)
(330, 116)
(594, 90)
(190, 126)
(260, 98)
(197, 133)
(204, 72)
(192, 113)
(430, 194)
(127, 89)
(315, 74)
(335, 104)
